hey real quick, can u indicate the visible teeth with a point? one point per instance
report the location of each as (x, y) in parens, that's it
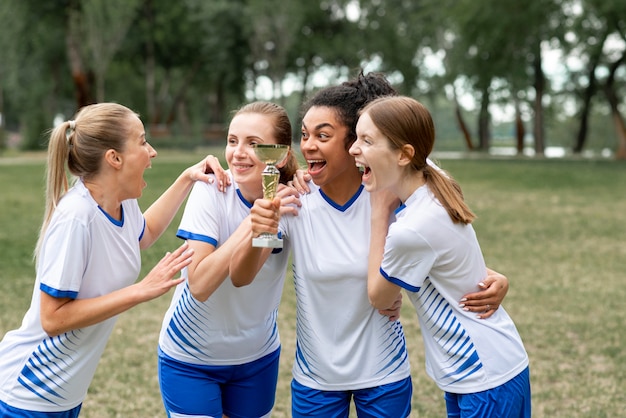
(361, 168)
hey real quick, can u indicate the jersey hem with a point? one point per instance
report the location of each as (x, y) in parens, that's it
(353, 386)
(488, 385)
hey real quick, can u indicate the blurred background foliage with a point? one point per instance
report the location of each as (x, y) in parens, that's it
(526, 75)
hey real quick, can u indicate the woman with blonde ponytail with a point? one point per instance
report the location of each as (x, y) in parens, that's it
(88, 258)
(432, 252)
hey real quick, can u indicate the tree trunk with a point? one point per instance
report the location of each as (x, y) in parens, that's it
(83, 80)
(467, 136)
(520, 131)
(583, 128)
(217, 113)
(618, 120)
(180, 95)
(3, 141)
(620, 130)
(484, 121)
(538, 129)
(588, 93)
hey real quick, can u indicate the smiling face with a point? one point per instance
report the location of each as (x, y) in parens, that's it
(323, 147)
(375, 157)
(244, 131)
(137, 157)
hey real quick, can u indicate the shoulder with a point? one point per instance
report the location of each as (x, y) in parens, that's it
(77, 203)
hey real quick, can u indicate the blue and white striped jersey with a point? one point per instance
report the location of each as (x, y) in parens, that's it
(438, 262)
(343, 343)
(85, 254)
(234, 325)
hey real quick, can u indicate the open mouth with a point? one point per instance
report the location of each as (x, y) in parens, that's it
(363, 169)
(315, 166)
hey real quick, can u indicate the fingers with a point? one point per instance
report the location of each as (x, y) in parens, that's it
(264, 216)
(300, 180)
(284, 191)
(211, 164)
(177, 260)
(392, 314)
(289, 200)
(490, 310)
(161, 277)
(484, 307)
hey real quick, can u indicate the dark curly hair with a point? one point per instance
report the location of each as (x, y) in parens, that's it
(348, 98)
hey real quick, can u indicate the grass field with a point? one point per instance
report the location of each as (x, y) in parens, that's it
(555, 228)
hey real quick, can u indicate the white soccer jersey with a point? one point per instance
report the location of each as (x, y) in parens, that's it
(343, 343)
(438, 262)
(234, 325)
(85, 254)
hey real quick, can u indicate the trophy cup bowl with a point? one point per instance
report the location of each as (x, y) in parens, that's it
(270, 154)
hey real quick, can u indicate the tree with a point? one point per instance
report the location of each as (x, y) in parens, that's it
(618, 120)
(223, 29)
(33, 63)
(271, 39)
(327, 40)
(597, 24)
(102, 26)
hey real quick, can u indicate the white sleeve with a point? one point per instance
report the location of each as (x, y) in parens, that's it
(200, 220)
(408, 258)
(63, 258)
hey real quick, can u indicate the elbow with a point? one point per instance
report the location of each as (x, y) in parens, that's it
(239, 281)
(50, 327)
(376, 300)
(201, 295)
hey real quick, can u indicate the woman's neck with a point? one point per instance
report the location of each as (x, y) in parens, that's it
(109, 203)
(343, 188)
(251, 193)
(409, 185)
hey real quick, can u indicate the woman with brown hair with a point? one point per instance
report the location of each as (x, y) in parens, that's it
(219, 346)
(431, 251)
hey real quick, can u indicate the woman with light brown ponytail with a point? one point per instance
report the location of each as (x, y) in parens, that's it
(88, 259)
(432, 252)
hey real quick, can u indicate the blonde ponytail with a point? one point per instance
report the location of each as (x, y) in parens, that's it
(56, 176)
(76, 149)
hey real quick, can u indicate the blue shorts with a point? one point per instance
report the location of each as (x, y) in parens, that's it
(240, 391)
(7, 411)
(391, 400)
(510, 400)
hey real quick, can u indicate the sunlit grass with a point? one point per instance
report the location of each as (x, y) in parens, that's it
(555, 228)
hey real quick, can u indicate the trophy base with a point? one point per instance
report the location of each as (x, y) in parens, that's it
(267, 242)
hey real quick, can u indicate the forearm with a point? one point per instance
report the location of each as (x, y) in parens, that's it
(62, 315)
(211, 271)
(160, 214)
(382, 294)
(246, 262)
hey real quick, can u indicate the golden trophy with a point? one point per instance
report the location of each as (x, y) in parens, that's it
(270, 154)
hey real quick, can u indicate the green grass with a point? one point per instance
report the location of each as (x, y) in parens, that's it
(554, 227)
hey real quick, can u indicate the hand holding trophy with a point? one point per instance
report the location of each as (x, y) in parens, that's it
(270, 154)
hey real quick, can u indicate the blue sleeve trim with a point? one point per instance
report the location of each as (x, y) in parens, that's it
(181, 233)
(58, 293)
(143, 230)
(399, 282)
